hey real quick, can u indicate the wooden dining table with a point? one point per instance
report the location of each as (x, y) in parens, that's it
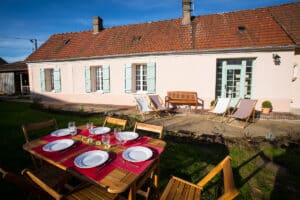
(117, 174)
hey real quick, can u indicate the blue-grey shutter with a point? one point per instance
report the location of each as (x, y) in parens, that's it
(128, 78)
(151, 73)
(106, 83)
(56, 76)
(87, 79)
(43, 81)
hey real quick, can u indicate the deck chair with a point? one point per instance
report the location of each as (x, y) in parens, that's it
(144, 106)
(116, 121)
(178, 188)
(152, 174)
(157, 102)
(243, 111)
(33, 130)
(221, 108)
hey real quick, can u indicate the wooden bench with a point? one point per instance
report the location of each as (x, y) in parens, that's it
(183, 98)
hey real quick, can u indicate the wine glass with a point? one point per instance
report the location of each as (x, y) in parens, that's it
(106, 140)
(72, 128)
(89, 127)
(116, 134)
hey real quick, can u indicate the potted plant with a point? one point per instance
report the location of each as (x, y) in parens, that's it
(212, 105)
(266, 107)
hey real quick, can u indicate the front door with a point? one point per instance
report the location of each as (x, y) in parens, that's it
(234, 84)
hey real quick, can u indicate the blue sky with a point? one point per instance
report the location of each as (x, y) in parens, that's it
(22, 20)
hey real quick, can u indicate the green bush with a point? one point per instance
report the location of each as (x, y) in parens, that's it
(212, 103)
(266, 104)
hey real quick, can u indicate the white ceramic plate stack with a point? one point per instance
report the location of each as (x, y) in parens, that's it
(61, 132)
(100, 130)
(127, 135)
(91, 159)
(137, 154)
(58, 145)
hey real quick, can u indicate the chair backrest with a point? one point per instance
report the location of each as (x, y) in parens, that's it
(143, 103)
(157, 102)
(245, 108)
(222, 105)
(177, 187)
(149, 128)
(28, 129)
(22, 183)
(116, 121)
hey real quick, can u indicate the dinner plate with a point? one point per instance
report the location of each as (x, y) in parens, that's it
(100, 130)
(58, 145)
(61, 132)
(137, 154)
(91, 159)
(127, 135)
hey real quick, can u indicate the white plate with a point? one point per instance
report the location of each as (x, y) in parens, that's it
(137, 154)
(127, 135)
(58, 145)
(61, 132)
(91, 159)
(100, 130)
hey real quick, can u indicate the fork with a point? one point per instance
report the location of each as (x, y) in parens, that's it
(103, 165)
(125, 162)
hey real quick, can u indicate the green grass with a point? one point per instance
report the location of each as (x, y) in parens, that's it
(256, 167)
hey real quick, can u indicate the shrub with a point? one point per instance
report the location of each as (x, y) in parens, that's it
(212, 103)
(266, 104)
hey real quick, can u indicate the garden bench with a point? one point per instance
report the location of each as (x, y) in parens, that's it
(183, 98)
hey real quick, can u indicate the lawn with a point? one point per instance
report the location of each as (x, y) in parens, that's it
(262, 170)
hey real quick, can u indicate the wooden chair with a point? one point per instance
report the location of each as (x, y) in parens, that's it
(39, 189)
(178, 189)
(32, 129)
(150, 128)
(116, 121)
(152, 174)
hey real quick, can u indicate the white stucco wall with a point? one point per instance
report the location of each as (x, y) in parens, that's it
(175, 72)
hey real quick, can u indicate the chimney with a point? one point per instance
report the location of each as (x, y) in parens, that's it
(186, 12)
(97, 24)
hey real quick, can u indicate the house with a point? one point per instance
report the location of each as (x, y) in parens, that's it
(244, 54)
(14, 79)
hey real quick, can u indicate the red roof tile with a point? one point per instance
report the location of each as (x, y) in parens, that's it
(217, 31)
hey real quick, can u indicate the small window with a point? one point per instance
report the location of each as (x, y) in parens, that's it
(49, 80)
(96, 78)
(141, 78)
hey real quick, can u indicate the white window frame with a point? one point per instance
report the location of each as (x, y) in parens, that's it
(99, 78)
(140, 78)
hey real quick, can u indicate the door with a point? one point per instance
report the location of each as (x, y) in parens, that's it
(234, 81)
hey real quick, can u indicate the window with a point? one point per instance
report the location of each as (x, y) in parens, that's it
(50, 80)
(140, 78)
(97, 79)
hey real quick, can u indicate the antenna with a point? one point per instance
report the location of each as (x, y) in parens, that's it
(34, 41)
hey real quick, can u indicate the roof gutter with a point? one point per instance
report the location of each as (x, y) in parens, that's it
(187, 52)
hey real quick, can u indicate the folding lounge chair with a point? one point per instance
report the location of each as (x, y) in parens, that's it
(144, 105)
(221, 107)
(243, 110)
(157, 103)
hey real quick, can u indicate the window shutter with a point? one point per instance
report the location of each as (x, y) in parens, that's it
(87, 79)
(56, 76)
(43, 83)
(106, 83)
(151, 72)
(128, 78)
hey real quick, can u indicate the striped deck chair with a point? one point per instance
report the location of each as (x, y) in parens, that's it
(221, 108)
(243, 110)
(144, 105)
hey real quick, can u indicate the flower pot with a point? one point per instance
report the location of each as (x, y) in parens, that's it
(211, 107)
(266, 110)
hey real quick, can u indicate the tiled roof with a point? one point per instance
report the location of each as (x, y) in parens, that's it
(288, 16)
(242, 29)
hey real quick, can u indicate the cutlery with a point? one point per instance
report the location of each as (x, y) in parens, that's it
(103, 165)
(75, 145)
(133, 164)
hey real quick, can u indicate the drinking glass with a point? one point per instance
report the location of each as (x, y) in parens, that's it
(89, 127)
(116, 134)
(106, 140)
(72, 128)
